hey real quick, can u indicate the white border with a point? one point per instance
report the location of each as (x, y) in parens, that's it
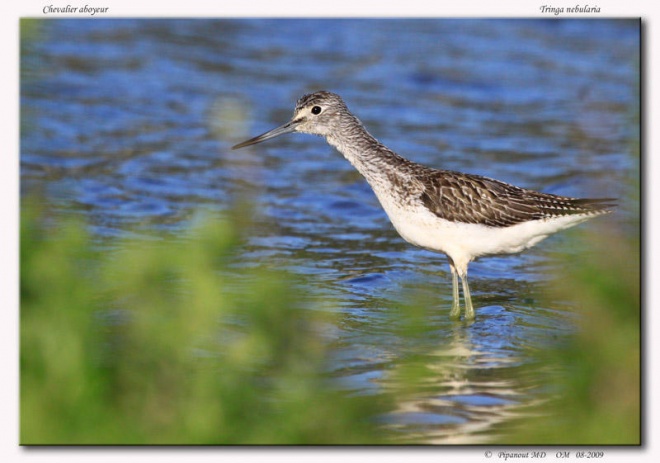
(10, 12)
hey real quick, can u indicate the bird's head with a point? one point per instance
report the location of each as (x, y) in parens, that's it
(317, 113)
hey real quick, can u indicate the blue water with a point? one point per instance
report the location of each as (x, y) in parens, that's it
(132, 120)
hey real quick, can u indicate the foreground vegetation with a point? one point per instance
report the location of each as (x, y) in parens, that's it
(153, 340)
(598, 382)
(152, 344)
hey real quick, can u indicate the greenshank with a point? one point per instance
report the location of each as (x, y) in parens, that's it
(464, 216)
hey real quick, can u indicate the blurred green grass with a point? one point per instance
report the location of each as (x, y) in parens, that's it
(594, 384)
(157, 342)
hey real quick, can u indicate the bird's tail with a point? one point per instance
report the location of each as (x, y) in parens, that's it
(595, 205)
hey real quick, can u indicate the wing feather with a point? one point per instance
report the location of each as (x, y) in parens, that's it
(475, 199)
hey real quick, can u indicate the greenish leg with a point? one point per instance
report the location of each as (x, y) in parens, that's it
(469, 309)
(455, 305)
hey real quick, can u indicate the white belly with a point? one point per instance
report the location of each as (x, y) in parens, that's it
(463, 242)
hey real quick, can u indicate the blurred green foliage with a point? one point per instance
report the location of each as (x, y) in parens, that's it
(157, 342)
(170, 340)
(595, 382)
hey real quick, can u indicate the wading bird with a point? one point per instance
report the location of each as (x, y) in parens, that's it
(464, 216)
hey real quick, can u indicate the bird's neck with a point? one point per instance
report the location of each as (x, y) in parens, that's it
(370, 157)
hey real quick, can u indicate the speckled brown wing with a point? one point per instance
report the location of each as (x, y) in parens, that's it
(466, 198)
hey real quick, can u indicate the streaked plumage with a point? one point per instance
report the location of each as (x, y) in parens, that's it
(464, 216)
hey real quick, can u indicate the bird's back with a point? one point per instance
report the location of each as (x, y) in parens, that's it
(468, 198)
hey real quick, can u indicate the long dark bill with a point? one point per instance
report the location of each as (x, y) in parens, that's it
(286, 128)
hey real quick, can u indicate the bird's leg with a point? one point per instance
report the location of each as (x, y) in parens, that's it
(455, 306)
(469, 309)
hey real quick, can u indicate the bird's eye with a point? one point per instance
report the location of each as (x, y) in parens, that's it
(316, 110)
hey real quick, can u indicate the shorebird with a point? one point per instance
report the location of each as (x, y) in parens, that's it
(464, 216)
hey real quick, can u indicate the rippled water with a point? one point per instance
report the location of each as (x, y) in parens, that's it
(133, 120)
